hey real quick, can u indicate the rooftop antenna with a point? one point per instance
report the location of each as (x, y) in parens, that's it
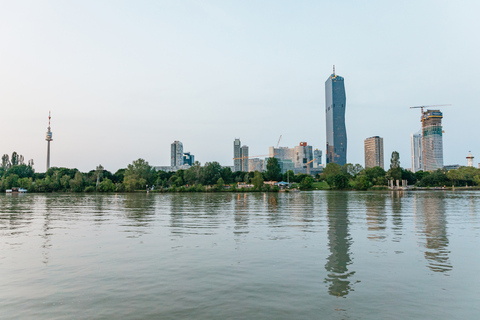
(48, 138)
(333, 69)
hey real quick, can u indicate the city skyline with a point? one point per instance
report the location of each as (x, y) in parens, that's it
(138, 76)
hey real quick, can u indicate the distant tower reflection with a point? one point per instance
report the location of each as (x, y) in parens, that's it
(339, 242)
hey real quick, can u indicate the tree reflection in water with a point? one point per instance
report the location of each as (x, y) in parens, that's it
(376, 216)
(339, 242)
(397, 199)
(139, 210)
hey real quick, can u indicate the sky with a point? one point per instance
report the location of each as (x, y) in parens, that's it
(124, 79)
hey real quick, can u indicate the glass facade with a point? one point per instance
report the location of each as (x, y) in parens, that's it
(335, 105)
(237, 155)
(433, 135)
(176, 154)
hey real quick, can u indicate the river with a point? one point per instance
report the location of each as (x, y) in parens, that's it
(303, 255)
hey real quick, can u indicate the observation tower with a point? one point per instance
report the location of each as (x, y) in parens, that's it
(48, 138)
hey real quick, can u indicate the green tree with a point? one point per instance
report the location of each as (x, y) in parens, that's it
(14, 158)
(331, 170)
(77, 184)
(22, 170)
(436, 178)
(362, 182)
(220, 184)
(138, 175)
(306, 183)
(376, 175)
(99, 174)
(212, 172)
(300, 176)
(395, 171)
(227, 175)
(6, 162)
(274, 172)
(340, 181)
(65, 182)
(10, 181)
(118, 176)
(409, 176)
(25, 183)
(257, 180)
(106, 186)
(289, 176)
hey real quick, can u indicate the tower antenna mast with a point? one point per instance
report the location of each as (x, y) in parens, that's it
(48, 139)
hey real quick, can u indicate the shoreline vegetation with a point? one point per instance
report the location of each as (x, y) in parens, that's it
(212, 177)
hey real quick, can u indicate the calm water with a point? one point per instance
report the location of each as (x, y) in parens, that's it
(306, 255)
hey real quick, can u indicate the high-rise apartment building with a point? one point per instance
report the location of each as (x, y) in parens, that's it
(245, 158)
(335, 104)
(417, 151)
(374, 152)
(188, 159)
(176, 154)
(237, 155)
(433, 139)
(317, 155)
(303, 155)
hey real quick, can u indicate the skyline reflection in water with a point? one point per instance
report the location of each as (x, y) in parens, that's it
(339, 242)
(267, 255)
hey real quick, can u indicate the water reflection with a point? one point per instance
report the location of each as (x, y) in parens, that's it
(46, 234)
(432, 218)
(376, 216)
(397, 199)
(15, 213)
(240, 214)
(303, 210)
(339, 242)
(139, 210)
(198, 213)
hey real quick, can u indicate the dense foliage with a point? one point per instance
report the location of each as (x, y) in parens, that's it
(213, 177)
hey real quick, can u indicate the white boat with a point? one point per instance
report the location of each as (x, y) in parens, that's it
(16, 190)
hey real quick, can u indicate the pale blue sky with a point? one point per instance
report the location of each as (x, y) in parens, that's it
(124, 79)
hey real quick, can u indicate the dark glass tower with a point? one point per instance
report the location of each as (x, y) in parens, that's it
(335, 104)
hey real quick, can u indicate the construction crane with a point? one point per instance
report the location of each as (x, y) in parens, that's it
(423, 127)
(262, 155)
(278, 143)
(308, 167)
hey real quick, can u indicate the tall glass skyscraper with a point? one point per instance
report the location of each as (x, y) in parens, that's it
(335, 104)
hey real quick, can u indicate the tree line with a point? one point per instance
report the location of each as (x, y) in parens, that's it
(139, 175)
(356, 177)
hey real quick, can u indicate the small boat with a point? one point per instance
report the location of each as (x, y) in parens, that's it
(16, 190)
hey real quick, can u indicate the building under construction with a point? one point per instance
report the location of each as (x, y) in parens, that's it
(433, 139)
